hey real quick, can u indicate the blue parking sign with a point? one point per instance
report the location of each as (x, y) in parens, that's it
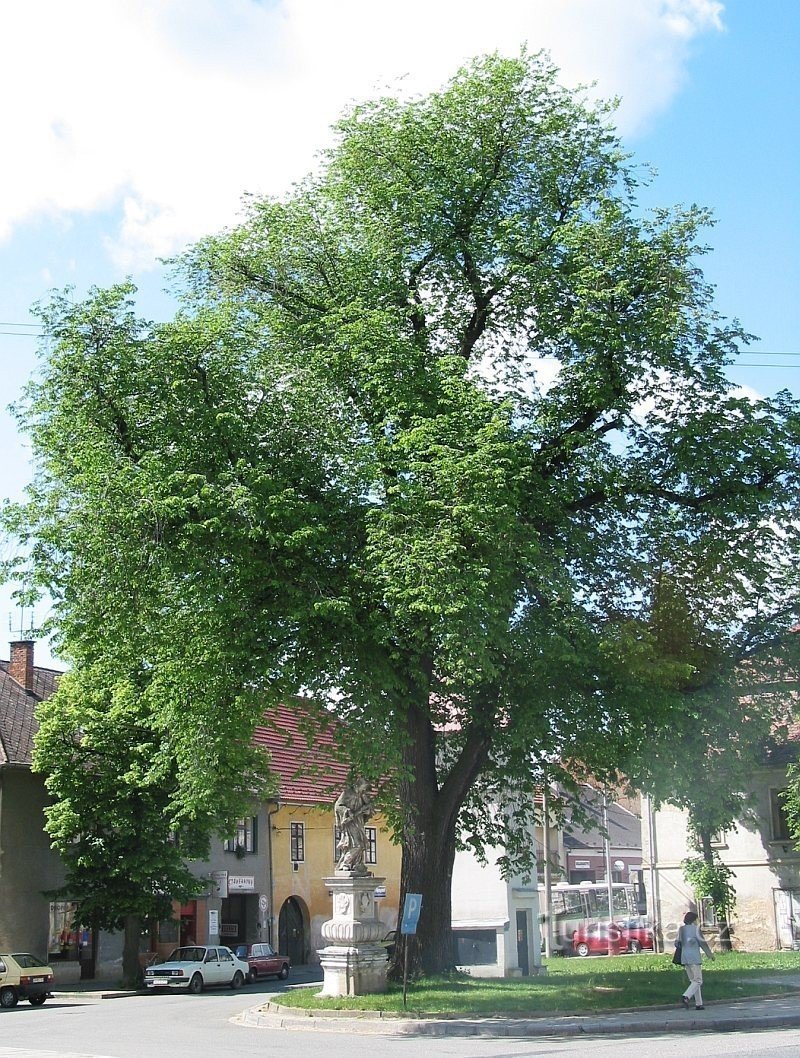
(411, 910)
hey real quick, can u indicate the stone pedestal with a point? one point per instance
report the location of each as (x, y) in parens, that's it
(354, 961)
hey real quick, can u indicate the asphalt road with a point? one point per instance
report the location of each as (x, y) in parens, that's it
(183, 1026)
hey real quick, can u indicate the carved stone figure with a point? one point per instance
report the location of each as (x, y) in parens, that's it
(353, 808)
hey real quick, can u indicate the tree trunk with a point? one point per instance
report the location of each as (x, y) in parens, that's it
(429, 844)
(131, 970)
(428, 856)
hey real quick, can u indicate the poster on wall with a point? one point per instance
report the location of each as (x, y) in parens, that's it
(219, 883)
(213, 923)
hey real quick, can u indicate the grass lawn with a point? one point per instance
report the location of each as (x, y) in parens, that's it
(577, 985)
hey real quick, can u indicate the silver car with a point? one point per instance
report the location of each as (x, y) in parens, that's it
(196, 967)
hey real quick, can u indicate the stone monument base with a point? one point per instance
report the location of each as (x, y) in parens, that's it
(354, 961)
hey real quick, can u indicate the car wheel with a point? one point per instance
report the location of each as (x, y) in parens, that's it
(251, 977)
(582, 949)
(284, 973)
(8, 998)
(196, 985)
(634, 946)
(238, 979)
(37, 1000)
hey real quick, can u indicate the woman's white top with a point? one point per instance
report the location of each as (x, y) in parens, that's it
(692, 941)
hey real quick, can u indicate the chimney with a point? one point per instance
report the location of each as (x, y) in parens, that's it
(20, 667)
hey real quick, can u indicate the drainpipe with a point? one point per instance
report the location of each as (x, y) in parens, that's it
(270, 813)
(548, 876)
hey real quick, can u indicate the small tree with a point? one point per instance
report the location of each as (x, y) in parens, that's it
(711, 879)
(122, 817)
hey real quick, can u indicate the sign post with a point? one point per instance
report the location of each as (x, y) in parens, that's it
(408, 925)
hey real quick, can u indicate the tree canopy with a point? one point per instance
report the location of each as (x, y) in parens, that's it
(414, 444)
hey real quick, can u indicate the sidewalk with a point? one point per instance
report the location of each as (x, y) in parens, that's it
(752, 1014)
(770, 1012)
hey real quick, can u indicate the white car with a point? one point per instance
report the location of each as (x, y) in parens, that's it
(196, 967)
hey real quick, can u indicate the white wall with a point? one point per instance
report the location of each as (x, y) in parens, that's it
(482, 899)
(760, 866)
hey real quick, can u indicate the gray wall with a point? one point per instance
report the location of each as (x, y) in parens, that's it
(27, 863)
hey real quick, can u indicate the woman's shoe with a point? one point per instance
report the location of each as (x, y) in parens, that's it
(699, 1008)
(685, 1002)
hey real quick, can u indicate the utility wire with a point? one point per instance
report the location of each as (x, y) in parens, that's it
(31, 333)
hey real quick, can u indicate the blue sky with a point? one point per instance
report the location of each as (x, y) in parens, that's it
(132, 127)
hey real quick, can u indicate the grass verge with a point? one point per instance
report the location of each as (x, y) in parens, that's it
(576, 986)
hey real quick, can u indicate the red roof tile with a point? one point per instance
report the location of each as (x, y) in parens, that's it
(17, 707)
(304, 754)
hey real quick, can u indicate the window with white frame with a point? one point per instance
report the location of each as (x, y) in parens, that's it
(244, 838)
(297, 842)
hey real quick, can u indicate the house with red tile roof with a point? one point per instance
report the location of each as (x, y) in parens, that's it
(264, 882)
(28, 866)
(267, 880)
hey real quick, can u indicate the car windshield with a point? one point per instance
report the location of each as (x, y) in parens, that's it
(187, 955)
(25, 959)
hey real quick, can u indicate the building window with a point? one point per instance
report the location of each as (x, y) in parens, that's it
(474, 947)
(371, 851)
(244, 838)
(64, 938)
(708, 916)
(297, 842)
(779, 822)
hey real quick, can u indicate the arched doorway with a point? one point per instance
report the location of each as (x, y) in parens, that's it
(292, 931)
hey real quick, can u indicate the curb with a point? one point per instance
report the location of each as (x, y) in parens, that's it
(274, 1016)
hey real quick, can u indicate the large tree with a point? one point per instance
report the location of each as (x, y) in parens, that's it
(412, 445)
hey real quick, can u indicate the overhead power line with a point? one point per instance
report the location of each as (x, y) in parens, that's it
(33, 330)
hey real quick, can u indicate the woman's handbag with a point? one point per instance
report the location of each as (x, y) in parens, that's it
(676, 958)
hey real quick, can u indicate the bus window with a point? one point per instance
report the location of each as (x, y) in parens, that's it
(623, 900)
(573, 903)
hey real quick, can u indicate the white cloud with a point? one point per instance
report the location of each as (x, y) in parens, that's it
(168, 110)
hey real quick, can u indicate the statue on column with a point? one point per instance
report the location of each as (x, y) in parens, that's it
(352, 809)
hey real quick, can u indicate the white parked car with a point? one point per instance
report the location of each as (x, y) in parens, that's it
(196, 967)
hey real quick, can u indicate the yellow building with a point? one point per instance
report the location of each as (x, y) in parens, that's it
(302, 839)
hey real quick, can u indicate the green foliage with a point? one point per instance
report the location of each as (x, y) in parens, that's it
(572, 986)
(711, 880)
(791, 802)
(414, 445)
(129, 810)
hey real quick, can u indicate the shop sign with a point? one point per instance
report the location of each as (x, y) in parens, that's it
(241, 883)
(229, 929)
(582, 865)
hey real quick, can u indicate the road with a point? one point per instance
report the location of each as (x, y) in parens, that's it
(183, 1026)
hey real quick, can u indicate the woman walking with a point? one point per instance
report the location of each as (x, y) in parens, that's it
(692, 941)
